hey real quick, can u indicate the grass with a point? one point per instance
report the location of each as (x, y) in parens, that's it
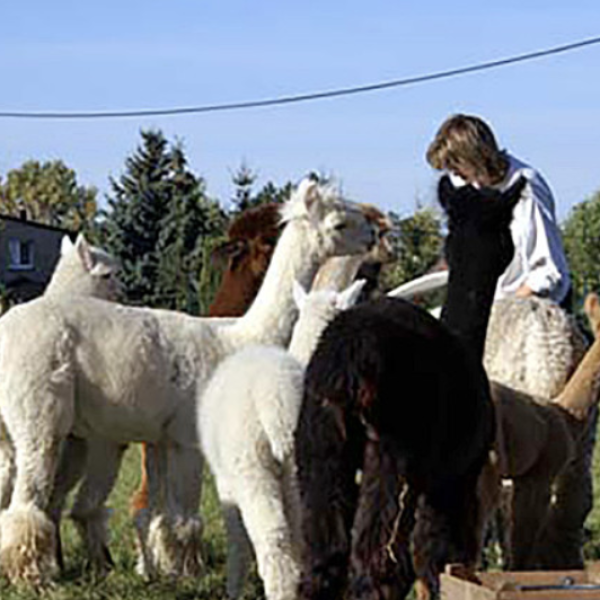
(124, 584)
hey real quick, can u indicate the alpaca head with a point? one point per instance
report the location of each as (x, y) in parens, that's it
(317, 309)
(479, 242)
(336, 226)
(84, 270)
(252, 238)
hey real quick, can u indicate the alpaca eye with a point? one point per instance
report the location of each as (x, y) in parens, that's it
(340, 226)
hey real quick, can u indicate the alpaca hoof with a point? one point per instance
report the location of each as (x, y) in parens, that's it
(28, 548)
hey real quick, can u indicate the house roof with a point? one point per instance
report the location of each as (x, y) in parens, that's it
(35, 224)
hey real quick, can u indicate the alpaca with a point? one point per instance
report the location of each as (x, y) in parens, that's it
(246, 419)
(81, 270)
(251, 240)
(538, 437)
(112, 374)
(420, 461)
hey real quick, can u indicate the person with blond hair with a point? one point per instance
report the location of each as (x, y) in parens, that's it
(465, 147)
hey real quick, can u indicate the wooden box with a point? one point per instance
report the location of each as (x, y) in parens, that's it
(522, 585)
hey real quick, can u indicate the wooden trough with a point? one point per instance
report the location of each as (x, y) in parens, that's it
(522, 585)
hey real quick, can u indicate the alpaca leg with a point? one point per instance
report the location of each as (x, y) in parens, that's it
(175, 529)
(71, 465)
(7, 470)
(381, 566)
(261, 503)
(239, 550)
(328, 459)
(142, 514)
(293, 505)
(531, 499)
(88, 512)
(562, 545)
(139, 499)
(27, 535)
(447, 529)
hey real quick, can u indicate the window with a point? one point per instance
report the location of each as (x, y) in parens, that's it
(21, 254)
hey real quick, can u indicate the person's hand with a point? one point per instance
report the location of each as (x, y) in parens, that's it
(524, 291)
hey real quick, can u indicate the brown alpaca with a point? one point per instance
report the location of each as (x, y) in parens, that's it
(535, 442)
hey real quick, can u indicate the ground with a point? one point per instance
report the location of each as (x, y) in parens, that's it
(124, 584)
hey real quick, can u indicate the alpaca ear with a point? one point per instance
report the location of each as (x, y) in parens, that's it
(299, 294)
(591, 306)
(85, 252)
(349, 296)
(311, 196)
(66, 245)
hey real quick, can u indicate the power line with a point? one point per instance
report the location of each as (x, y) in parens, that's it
(304, 97)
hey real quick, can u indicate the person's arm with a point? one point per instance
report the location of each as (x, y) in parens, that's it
(542, 246)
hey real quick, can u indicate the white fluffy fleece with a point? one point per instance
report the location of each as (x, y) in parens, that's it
(246, 421)
(134, 375)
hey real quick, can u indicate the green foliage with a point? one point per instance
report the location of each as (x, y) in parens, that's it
(50, 194)
(244, 197)
(157, 220)
(581, 238)
(191, 220)
(418, 246)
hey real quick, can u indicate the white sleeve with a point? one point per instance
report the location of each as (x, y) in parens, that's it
(541, 243)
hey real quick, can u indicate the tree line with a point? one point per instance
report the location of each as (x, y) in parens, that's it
(161, 223)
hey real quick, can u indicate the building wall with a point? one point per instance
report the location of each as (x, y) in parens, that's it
(26, 283)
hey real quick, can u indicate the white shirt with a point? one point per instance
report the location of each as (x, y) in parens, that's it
(539, 260)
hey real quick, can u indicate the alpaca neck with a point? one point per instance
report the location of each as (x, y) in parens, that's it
(581, 392)
(468, 306)
(270, 318)
(306, 335)
(68, 276)
(338, 272)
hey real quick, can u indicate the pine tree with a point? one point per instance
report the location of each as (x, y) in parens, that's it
(192, 219)
(156, 224)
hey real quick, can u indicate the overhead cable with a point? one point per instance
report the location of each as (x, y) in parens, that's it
(293, 99)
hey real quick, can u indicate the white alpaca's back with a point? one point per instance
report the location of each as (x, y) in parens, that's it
(532, 345)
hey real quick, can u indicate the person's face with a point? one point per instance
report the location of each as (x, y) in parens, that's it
(470, 175)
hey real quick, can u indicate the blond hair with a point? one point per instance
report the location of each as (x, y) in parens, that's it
(466, 143)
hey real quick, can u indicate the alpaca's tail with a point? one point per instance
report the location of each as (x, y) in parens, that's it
(278, 412)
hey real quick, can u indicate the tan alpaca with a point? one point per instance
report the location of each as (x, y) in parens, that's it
(535, 442)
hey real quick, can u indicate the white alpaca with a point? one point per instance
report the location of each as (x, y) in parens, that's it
(82, 270)
(246, 421)
(532, 345)
(111, 374)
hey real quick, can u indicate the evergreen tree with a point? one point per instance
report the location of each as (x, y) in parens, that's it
(157, 220)
(581, 238)
(418, 246)
(191, 221)
(244, 180)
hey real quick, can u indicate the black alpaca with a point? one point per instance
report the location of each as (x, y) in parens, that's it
(404, 399)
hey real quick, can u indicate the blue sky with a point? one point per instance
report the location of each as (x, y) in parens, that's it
(128, 55)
